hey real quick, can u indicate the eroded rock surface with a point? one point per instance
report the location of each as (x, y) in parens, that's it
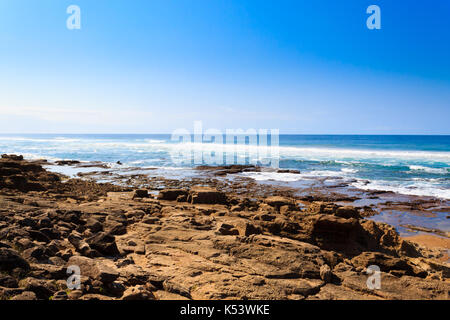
(195, 242)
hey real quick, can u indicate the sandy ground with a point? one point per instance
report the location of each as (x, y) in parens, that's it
(432, 241)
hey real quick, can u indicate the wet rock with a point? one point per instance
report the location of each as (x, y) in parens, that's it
(67, 162)
(231, 169)
(288, 171)
(12, 157)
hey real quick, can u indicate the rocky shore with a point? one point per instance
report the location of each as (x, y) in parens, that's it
(197, 239)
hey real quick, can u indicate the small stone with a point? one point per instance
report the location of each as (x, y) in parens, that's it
(60, 295)
(325, 273)
(137, 293)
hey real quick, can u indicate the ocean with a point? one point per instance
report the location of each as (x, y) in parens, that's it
(412, 165)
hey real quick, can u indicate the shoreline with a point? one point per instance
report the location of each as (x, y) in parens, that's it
(418, 214)
(209, 236)
(410, 166)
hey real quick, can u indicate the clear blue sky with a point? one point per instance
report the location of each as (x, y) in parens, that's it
(156, 65)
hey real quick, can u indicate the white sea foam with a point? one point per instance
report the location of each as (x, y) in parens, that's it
(429, 170)
(34, 148)
(417, 188)
(276, 176)
(288, 177)
(339, 155)
(313, 153)
(35, 156)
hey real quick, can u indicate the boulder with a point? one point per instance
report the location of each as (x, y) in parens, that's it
(140, 193)
(67, 162)
(60, 295)
(227, 229)
(103, 243)
(317, 207)
(79, 243)
(389, 264)
(26, 295)
(172, 194)
(43, 289)
(36, 252)
(137, 293)
(288, 171)
(94, 225)
(246, 228)
(206, 195)
(8, 281)
(277, 202)
(333, 232)
(12, 157)
(10, 259)
(347, 212)
(96, 270)
(325, 273)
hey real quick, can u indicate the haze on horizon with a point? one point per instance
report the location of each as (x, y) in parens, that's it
(155, 66)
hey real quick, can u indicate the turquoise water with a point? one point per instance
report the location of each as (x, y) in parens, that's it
(417, 165)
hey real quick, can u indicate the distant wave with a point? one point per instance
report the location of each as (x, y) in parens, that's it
(319, 154)
(349, 170)
(429, 170)
(285, 152)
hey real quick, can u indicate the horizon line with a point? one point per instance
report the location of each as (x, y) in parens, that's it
(285, 134)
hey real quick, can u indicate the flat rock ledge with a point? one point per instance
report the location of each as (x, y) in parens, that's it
(195, 242)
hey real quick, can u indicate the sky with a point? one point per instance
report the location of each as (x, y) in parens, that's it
(153, 66)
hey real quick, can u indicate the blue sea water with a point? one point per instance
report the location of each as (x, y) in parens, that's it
(416, 165)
